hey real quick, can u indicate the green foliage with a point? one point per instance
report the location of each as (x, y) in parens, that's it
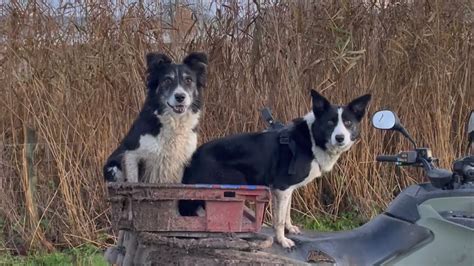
(85, 255)
(346, 221)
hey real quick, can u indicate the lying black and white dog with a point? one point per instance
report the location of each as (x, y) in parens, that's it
(283, 159)
(163, 137)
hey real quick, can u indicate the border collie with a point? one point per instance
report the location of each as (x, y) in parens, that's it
(163, 137)
(283, 159)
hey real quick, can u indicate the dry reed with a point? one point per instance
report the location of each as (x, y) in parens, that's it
(78, 83)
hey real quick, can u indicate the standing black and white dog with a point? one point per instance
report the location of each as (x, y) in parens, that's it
(284, 160)
(163, 137)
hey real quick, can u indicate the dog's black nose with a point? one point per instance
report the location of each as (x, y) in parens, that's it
(340, 138)
(179, 97)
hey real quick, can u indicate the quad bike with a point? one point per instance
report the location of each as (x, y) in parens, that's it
(426, 224)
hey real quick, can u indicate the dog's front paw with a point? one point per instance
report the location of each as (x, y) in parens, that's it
(286, 242)
(293, 229)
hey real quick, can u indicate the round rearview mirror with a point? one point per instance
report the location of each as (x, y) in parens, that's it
(384, 119)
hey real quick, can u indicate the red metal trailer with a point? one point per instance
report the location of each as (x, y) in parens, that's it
(153, 233)
(152, 207)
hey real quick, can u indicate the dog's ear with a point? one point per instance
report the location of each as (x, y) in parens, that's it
(154, 60)
(358, 106)
(320, 104)
(198, 63)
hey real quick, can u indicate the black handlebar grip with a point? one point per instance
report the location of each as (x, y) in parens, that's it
(387, 158)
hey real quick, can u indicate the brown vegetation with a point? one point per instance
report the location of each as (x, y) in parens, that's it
(78, 84)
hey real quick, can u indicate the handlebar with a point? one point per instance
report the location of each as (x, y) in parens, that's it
(421, 157)
(387, 158)
(463, 169)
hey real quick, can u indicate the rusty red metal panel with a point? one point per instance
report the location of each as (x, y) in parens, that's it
(153, 207)
(224, 216)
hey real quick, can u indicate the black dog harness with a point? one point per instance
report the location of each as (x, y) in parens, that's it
(285, 140)
(284, 136)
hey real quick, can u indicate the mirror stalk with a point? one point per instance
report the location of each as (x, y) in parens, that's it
(405, 133)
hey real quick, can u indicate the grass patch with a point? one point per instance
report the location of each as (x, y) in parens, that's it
(86, 255)
(346, 221)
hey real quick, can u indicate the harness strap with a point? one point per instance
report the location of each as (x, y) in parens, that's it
(284, 136)
(285, 140)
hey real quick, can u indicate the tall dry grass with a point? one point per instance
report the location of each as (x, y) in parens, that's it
(77, 85)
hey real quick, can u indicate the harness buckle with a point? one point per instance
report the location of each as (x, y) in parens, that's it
(284, 139)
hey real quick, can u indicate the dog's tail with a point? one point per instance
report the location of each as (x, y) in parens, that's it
(113, 172)
(269, 121)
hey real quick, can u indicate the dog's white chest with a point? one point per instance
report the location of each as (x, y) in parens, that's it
(151, 144)
(176, 144)
(168, 143)
(325, 161)
(314, 172)
(166, 154)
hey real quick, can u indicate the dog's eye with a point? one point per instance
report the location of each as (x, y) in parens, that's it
(188, 81)
(348, 123)
(167, 81)
(331, 123)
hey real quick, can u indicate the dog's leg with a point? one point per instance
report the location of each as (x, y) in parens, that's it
(281, 198)
(130, 163)
(292, 229)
